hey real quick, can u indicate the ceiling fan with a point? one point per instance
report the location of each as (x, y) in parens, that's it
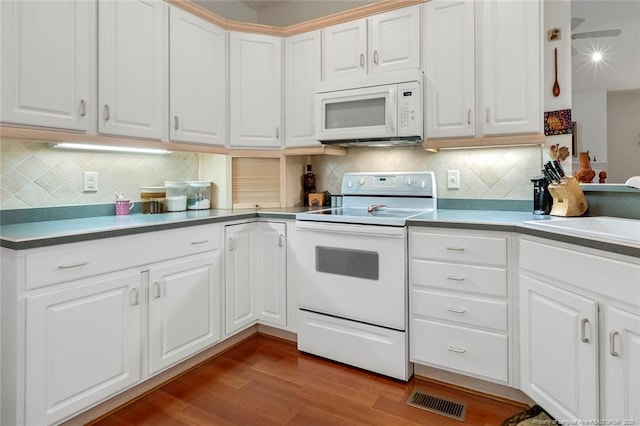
(575, 22)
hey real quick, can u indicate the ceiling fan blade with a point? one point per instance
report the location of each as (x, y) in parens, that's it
(594, 34)
(575, 22)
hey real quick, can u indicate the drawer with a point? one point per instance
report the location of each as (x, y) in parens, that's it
(69, 262)
(461, 349)
(590, 271)
(482, 250)
(464, 310)
(484, 280)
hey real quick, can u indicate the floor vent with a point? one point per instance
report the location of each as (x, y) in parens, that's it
(434, 404)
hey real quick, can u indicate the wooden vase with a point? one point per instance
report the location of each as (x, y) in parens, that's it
(586, 173)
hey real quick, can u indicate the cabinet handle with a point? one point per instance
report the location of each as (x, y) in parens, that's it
(277, 132)
(83, 107)
(362, 60)
(156, 290)
(455, 278)
(487, 115)
(176, 122)
(107, 113)
(231, 244)
(136, 297)
(73, 265)
(375, 57)
(456, 309)
(281, 240)
(583, 330)
(469, 117)
(457, 350)
(194, 243)
(451, 248)
(612, 343)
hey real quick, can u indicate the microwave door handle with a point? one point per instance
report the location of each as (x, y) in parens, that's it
(393, 108)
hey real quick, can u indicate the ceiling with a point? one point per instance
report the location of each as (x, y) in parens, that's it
(261, 4)
(620, 67)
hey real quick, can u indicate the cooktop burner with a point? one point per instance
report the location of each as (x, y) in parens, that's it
(380, 199)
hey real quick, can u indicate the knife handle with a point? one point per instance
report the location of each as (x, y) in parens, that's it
(558, 168)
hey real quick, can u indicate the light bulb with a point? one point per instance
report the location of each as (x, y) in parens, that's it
(596, 57)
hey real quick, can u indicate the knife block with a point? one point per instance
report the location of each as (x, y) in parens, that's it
(568, 198)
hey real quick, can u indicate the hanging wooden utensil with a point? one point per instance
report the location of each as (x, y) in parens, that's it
(556, 86)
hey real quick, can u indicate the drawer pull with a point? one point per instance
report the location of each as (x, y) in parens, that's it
(457, 350)
(612, 343)
(455, 277)
(281, 240)
(456, 309)
(455, 248)
(583, 330)
(73, 265)
(195, 243)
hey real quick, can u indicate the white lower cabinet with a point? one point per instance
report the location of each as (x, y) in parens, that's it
(459, 302)
(255, 274)
(580, 331)
(184, 308)
(82, 345)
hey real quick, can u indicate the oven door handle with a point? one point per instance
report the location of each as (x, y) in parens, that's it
(364, 230)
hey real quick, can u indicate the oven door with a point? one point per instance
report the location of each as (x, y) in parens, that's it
(365, 113)
(357, 272)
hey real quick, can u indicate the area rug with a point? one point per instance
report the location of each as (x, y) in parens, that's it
(531, 417)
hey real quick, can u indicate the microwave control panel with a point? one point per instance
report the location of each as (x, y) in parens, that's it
(409, 101)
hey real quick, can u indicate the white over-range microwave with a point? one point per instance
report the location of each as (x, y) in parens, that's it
(379, 110)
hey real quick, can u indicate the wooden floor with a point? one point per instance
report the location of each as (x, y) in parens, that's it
(265, 381)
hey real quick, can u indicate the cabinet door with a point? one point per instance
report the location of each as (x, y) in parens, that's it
(450, 68)
(302, 72)
(83, 345)
(344, 50)
(184, 309)
(47, 63)
(620, 359)
(240, 295)
(272, 275)
(510, 58)
(197, 86)
(559, 350)
(132, 68)
(256, 90)
(395, 40)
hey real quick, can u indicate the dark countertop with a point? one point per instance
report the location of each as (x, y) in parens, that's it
(39, 234)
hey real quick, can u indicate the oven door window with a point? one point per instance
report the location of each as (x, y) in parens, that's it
(348, 262)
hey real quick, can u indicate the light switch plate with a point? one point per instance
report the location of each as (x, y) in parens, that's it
(453, 179)
(90, 182)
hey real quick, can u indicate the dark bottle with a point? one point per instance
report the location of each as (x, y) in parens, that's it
(309, 184)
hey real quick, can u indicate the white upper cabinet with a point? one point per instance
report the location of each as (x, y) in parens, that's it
(132, 68)
(395, 40)
(384, 42)
(510, 66)
(450, 68)
(502, 95)
(197, 54)
(344, 50)
(47, 63)
(302, 72)
(255, 84)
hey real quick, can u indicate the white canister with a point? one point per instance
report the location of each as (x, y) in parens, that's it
(176, 200)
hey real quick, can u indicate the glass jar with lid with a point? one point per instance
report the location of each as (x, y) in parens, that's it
(176, 196)
(198, 195)
(153, 199)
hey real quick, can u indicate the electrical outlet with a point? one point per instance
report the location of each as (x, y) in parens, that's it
(453, 179)
(90, 182)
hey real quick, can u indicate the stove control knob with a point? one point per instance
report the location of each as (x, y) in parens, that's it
(423, 184)
(350, 184)
(361, 181)
(409, 181)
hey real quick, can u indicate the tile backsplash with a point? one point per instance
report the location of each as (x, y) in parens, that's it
(37, 175)
(486, 173)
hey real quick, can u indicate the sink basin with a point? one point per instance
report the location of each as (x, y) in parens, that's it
(601, 228)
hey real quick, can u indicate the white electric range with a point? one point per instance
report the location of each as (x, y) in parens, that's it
(352, 277)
